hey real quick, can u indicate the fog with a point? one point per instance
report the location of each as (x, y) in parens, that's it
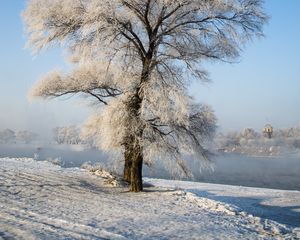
(42, 116)
(281, 172)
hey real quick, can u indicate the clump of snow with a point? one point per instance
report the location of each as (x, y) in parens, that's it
(208, 204)
(56, 161)
(111, 178)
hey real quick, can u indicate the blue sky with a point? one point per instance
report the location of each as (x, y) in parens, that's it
(264, 86)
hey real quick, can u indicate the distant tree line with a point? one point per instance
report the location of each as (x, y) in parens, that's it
(249, 141)
(246, 141)
(72, 135)
(8, 136)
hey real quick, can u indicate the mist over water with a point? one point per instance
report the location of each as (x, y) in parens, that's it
(279, 172)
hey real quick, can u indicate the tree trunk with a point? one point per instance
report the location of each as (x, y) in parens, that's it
(134, 153)
(136, 184)
(128, 163)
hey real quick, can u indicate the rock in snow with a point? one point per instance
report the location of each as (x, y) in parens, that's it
(39, 200)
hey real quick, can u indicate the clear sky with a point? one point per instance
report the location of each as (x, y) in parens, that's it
(264, 86)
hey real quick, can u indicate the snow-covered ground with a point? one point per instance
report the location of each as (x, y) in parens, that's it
(39, 200)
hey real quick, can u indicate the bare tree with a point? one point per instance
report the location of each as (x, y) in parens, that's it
(137, 57)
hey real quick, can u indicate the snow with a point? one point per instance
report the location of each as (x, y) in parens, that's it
(39, 200)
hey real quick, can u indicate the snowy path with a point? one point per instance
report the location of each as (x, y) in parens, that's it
(39, 200)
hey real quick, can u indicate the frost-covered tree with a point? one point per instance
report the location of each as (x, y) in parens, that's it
(67, 135)
(7, 136)
(249, 133)
(25, 136)
(137, 58)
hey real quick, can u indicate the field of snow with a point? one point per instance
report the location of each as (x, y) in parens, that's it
(39, 200)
